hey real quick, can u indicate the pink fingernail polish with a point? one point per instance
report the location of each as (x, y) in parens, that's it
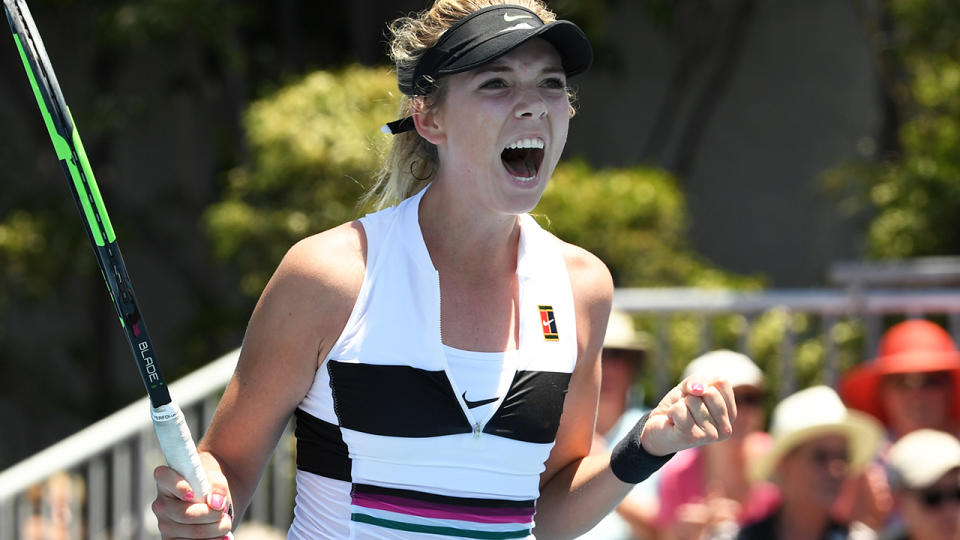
(189, 496)
(217, 501)
(697, 388)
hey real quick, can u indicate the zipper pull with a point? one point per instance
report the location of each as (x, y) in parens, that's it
(476, 430)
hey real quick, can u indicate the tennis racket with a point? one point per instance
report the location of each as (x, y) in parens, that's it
(172, 430)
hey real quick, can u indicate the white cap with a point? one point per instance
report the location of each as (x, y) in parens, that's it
(737, 368)
(921, 457)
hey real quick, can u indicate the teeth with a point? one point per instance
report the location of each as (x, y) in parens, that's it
(527, 143)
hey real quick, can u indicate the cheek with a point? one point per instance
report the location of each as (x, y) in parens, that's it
(469, 126)
(787, 473)
(749, 419)
(892, 402)
(560, 113)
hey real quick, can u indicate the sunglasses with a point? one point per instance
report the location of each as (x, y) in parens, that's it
(932, 499)
(748, 399)
(919, 381)
(822, 458)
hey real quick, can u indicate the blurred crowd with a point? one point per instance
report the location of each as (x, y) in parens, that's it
(877, 458)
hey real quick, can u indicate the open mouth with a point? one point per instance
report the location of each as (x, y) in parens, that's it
(522, 159)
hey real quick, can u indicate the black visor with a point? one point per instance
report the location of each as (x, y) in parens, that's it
(483, 36)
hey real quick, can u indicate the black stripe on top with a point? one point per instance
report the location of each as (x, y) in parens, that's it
(531, 411)
(395, 401)
(320, 448)
(403, 401)
(368, 489)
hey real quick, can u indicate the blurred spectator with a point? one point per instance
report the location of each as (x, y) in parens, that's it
(924, 471)
(706, 492)
(55, 509)
(258, 531)
(817, 443)
(911, 385)
(913, 382)
(619, 408)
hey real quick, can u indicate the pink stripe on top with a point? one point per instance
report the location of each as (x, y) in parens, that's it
(443, 511)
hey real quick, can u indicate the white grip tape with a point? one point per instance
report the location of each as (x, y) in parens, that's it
(178, 446)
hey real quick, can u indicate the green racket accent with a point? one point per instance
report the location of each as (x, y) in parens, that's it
(92, 183)
(71, 155)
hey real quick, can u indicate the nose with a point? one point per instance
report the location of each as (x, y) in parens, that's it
(531, 105)
(837, 468)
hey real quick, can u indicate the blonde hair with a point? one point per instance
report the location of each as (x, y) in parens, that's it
(412, 160)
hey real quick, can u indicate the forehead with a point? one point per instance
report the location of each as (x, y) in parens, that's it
(949, 479)
(830, 441)
(535, 54)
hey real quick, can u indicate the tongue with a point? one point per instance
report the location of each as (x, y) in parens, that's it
(522, 163)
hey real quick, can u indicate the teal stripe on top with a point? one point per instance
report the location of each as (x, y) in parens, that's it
(432, 529)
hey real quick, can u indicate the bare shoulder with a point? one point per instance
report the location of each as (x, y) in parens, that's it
(592, 287)
(589, 275)
(333, 259)
(313, 290)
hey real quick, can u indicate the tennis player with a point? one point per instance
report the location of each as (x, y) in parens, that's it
(442, 355)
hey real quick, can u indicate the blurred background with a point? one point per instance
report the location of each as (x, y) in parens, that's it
(731, 144)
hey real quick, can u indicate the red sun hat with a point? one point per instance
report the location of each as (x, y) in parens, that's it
(914, 346)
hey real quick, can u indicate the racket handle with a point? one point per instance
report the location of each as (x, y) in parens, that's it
(178, 447)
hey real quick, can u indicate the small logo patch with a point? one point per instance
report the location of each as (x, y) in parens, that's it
(548, 323)
(511, 18)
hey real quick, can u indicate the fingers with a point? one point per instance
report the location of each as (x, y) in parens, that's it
(695, 412)
(705, 409)
(184, 514)
(712, 389)
(219, 498)
(699, 414)
(170, 483)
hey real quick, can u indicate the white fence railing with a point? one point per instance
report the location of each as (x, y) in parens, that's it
(98, 483)
(869, 309)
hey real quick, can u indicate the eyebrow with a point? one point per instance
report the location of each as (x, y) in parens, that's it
(503, 68)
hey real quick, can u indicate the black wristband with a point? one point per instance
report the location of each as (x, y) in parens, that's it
(630, 462)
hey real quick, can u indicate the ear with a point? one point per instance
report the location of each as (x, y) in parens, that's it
(428, 122)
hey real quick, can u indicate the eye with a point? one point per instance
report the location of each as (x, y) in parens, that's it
(555, 83)
(494, 84)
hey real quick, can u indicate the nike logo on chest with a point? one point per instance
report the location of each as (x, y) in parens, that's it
(475, 404)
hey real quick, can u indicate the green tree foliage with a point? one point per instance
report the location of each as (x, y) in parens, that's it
(913, 191)
(26, 240)
(779, 341)
(634, 219)
(315, 144)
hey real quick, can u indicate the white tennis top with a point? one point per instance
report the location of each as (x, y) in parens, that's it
(402, 437)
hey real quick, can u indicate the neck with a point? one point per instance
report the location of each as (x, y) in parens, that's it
(801, 521)
(461, 237)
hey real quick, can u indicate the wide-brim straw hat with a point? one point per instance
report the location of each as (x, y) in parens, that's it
(914, 346)
(622, 334)
(812, 413)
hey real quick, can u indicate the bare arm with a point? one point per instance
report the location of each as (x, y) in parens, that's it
(578, 489)
(298, 318)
